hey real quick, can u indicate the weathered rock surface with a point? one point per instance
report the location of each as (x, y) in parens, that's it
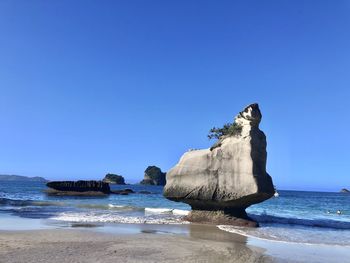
(154, 176)
(123, 191)
(344, 190)
(78, 187)
(221, 182)
(114, 179)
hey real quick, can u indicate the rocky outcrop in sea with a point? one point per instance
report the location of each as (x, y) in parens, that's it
(219, 183)
(153, 176)
(78, 188)
(344, 190)
(114, 179)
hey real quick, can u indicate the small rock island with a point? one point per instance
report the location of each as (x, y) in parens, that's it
(153, 176)
(219, 183)
(344, 190)
(113, 179)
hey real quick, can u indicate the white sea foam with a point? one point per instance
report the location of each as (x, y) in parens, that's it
(116, 206)
(180, 212)
(300, 235)
(158, 210)
(113, 218)
(90, 217)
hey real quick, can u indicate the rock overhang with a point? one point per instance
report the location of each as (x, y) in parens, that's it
(230, 176)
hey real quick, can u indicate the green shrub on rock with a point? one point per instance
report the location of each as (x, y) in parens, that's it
(229, 129)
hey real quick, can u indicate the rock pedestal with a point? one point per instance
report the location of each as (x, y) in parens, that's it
(221, 182)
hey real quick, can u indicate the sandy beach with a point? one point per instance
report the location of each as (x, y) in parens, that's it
(76, 245)
(152, 243)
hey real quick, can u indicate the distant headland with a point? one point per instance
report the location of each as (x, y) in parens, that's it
(7, 177)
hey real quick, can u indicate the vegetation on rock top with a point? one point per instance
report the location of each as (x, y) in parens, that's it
(154, 176)
(114, 179)
(229, 129)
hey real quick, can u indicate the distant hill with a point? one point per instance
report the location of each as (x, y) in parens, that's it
(5, 177)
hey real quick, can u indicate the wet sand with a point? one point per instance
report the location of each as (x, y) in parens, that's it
(150, 244)
(153, 243)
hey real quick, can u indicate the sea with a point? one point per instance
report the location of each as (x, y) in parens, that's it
(293, 216)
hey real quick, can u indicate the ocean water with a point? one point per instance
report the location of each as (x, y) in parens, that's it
(294, 216)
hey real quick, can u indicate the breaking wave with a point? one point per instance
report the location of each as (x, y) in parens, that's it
(323, 223)
(178, 212)
(114, 218)
(296, 234)
(296, 230)
(17, 202)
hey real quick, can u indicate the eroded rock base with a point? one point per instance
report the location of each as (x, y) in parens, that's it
(220, 217)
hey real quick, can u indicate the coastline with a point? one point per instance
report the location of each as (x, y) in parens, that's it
(83, 229)
(149, 245)
(153, 243)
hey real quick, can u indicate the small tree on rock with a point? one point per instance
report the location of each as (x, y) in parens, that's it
(229, 129)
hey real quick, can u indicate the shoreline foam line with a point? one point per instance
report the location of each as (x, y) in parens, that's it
(241, 232)
(108, 218)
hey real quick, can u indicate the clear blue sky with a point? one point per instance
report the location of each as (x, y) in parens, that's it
(90, 87)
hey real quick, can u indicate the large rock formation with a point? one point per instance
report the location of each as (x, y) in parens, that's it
(344, 190)
(153, 176)
(113, 179)
(221, 182)
(78, 188)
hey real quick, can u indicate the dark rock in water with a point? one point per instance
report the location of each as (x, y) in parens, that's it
(220, 217)
(344, 190)
(153, 176)
(78, 188)
(54, 192)
(221, 182)
(145, 192)
(114, 179)
(122, 192)
(119, 192)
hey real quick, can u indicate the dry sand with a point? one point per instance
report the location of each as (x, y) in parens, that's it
(200, 244)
